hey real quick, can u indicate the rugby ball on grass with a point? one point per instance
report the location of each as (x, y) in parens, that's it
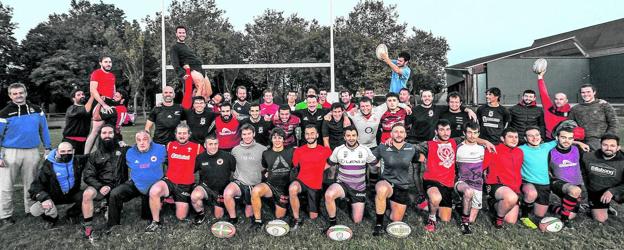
(223, 230)
(339, 233)
(381, 49)
(277, 228)
(399, 229)
(550, 224)
(539, 66)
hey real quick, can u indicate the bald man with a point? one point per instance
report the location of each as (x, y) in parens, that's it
(58, 182)
(165, 118)
(554, 113)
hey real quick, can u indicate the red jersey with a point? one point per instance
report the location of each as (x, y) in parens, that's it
(311, 163)
(106, 82)
(268, 109)
(388, 120)
(552, 115)
(348, 107)
(326, 105)
(181, 165)
(288, 127)
(441, 162)
(504, 167)
(227, 133)
(122, 114)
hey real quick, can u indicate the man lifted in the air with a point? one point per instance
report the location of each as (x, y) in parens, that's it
(183, 58)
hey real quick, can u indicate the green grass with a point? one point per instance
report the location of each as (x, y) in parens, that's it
(28, 233)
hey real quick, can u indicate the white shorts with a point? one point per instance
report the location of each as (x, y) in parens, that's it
(477, 198)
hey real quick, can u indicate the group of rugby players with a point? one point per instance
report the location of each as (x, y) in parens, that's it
(402, 153)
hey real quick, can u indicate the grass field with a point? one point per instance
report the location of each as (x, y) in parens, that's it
(28, 233)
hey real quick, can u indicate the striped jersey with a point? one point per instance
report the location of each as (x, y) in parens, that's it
(352, 165)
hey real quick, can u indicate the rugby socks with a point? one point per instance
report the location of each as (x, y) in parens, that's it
(465, 219)
(87, 221)
(233, 220)
(568, 203)
(526, 209)
(499, 220)
(332, 221)
(380, 219)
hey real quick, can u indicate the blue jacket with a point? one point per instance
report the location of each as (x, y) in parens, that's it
(23, 126)
(58, 181)
(146, 168)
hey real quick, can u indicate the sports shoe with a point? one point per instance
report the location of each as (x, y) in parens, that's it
(378, 230)
(431, 226)
(255, 226)
(297, 224)
(465, 227)
(567, 224)
(498, 224)
(153, 227)
(612, 211)
(528, 223)
(199, 219)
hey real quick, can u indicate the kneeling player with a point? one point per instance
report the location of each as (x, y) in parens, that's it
(469, 183)
(397, 176)
(277, 162)
(352, 160)
(310, 161)
(566, 176)
(178, 182)
(215, 170)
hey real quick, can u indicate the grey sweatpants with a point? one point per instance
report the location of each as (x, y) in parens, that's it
(16, 161)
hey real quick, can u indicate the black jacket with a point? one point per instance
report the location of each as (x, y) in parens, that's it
(523, 116)
(601, 175)
(106, 168)
(46, 185)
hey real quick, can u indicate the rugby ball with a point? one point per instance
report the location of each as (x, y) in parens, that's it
(381, 49)
(399, 229)
(277, 228)
(339, 233)
(539, 66)
(223, 230)
(550, 224)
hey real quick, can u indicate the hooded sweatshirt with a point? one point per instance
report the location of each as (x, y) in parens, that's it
(23, 126)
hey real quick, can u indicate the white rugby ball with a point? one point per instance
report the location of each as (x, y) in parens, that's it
(339, 233)
(540, 65)
(277, 228)
(223, 230)
(381, 49)
(550, 224)
(399, 229)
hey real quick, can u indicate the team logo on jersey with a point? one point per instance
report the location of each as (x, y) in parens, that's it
(169, 116)
(189, 149)
(567, 163)
(603, 170)
(226, 131)
(202, 121)
(430, 113)
(219, 161)
(174, 147)
(490, 113)
(238, 108)
(368, 130)
(153, 158)
(360, 155)
(344, 154)
(176, 113)
(117, 153)
(260, 130)
(446, 155)
(136, 161)
(305, 118)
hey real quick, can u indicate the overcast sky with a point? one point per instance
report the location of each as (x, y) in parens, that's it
(472, 28)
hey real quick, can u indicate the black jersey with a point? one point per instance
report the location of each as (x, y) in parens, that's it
(422, 121)
(398, 168)
(335, 131)
(199, 124)
(77, 122)
(457, 121)
(166, 119)
(181, 54)
(242, 108)
(493, 120)
(262, 128)
(215, 170)
(278, 166)
(306, 118)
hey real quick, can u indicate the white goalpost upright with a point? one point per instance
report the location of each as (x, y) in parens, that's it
(332, 96)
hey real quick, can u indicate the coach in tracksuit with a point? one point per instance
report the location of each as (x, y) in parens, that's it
(23, 127)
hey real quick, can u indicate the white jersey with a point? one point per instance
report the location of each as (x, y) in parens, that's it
(352, 165)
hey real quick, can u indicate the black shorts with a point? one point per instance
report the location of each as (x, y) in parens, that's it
(595, 203)
(543, 193)
(280, 195)
(354, 195)
(215, 197)
(491, 189)
(446, 192)
(245, 192)
(313, 195)
(196, 67)
(399, 195)
(179, 192)
(556, 186)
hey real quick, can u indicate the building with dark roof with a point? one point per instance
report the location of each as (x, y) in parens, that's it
(593, 54)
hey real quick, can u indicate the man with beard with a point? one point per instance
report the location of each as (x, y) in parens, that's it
(199, 119)
(400, 71)
(527, 114)
(101, 87)
(261, 125)
(105, 170)
(604, 176)
(595, 116)
(241, 105)
(404, 97)
(288, 123)
(312, 114)
(352, 160)
(310, 90)
(179, 179)
(77, 121)
(455, 114)
(277, 164)
(226, 128)
(493, 117)
(183, 59)
(248, 173)
(397, 177)
(333, 130)
(345, 100)
(215, 169)
(165, 118)
(309, 162)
